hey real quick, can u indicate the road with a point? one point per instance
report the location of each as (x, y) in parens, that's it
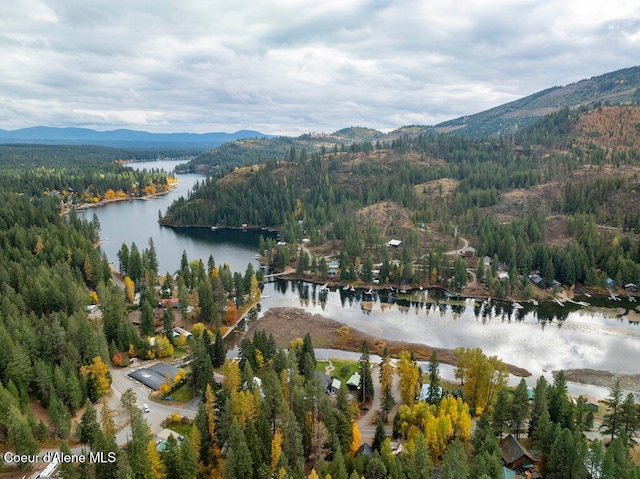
(157, 412)
(368, 421)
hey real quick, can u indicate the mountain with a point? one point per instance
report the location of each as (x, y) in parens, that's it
(615, 88)
(123, 138)
(258, 150)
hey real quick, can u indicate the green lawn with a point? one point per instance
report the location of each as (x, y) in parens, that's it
(342, 368)
(181, 395)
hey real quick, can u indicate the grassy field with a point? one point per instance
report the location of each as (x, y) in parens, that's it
(343, 369)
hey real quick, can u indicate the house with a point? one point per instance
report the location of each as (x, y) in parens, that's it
(218, 378)
(334, 386)
(333, 264)
(536, 279)
(468, 252)
(502, 275)
(178, 331)
(632, 288)
(515, 456)
(590, 403)
(173, 302)
(611, 283)
(354, 381)
(486, 260)
(365, 449)
(394, 243)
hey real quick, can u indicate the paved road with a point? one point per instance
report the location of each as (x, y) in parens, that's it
(368, 421)
(157, 412)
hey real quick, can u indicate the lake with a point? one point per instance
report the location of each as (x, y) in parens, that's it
(540, 339)
(135, 221)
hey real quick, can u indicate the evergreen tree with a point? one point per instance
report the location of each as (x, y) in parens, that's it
(366, 390)
(418, 464)
(219, 350)
(435, 388)
(239, 462)
(611, 424)
(519, 407)
(454, 462)
(379, 436)
(539, 404)
(387, 402)
(501, 412)
(292, 444)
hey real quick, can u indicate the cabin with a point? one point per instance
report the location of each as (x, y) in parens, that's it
(354, 381)
(630, 287)
(536, 279)
(394, 243)
(590, 402)
(468, 252)
(334, 386)
(611, 283)
(515, 456)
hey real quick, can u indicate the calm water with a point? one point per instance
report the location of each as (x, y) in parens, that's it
(540, 339)
(137, 221)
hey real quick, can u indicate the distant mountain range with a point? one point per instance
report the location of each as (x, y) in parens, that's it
(615, 88)
(130, 139)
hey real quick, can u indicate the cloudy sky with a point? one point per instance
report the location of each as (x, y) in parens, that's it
(295, 66)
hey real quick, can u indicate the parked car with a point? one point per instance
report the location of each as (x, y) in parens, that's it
(145, 407)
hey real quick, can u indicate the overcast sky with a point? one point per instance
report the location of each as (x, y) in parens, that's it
(295, 66)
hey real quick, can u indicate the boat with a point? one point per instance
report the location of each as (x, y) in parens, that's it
(352, 289)
(214, 228)
(369, 292)
(324, 287)
(516, 305)
(345, 287)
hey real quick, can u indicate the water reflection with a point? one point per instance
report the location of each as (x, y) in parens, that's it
(517, 333)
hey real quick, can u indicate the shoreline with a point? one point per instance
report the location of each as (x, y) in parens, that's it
(287, 323)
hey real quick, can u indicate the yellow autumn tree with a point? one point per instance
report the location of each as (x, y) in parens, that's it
(409, 374)
(197, 330)
(276, 449)
(254, 289)
(243, 407)
(98, 376)
(313, 474)
(232, 379)
(129, 290)
(155, 463)
(164, 348)
(356, 438)
(386, 373)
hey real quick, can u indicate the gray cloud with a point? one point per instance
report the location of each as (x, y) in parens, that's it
(292, 66)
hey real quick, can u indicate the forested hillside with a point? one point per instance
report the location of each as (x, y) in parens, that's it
(621, 87)
(533, 201)
(259, 150)
(76, 174)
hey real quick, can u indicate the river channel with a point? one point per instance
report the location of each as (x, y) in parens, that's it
(540, 339)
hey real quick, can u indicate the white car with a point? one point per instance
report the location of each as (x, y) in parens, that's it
(145, 407)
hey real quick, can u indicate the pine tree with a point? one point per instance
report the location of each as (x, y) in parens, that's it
(611, 421)
(539, 404)
(419, 462)
(379, 436)
(519, 407)
(366, 390)
(454, 462)
(434, 380)
(500, 412)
